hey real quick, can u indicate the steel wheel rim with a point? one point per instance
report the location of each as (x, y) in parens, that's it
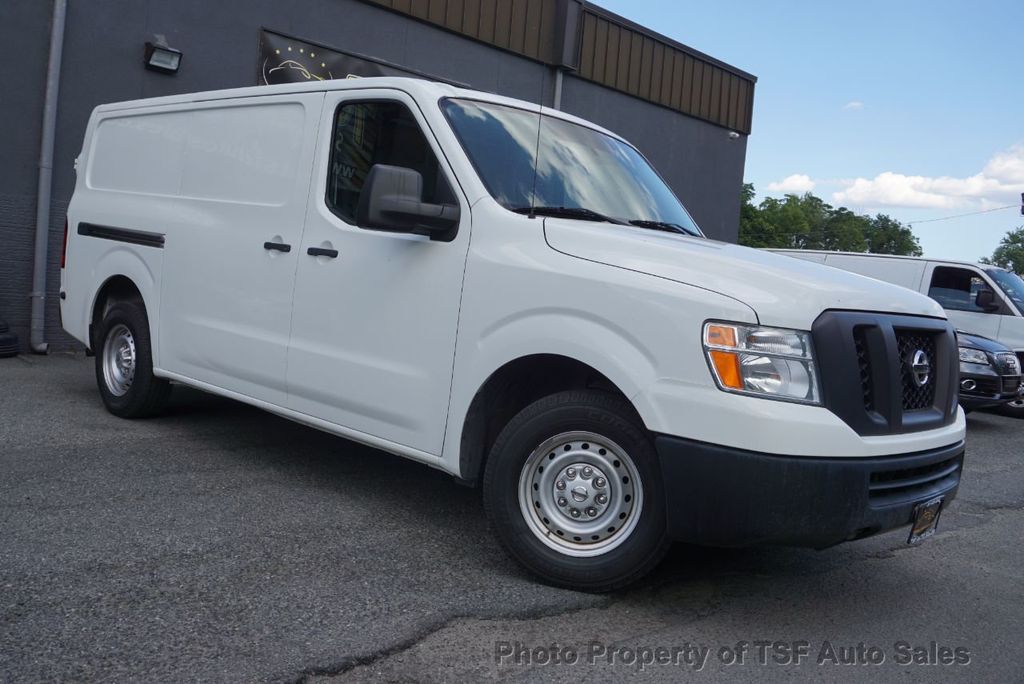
(119, 360)
(1017, 403)
(588, 473)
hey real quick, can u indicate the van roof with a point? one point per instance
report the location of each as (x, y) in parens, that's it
(889, 256)
(414, 86)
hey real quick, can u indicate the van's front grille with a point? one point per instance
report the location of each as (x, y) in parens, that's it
(916, 395)
(890, 486)
(887, 374)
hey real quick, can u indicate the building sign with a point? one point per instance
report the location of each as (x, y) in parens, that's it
(288, 60)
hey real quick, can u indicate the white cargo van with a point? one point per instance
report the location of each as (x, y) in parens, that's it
(978, 298)
(513, 296)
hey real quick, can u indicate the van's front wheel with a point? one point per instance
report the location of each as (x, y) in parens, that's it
(573, 491)
(124, 363)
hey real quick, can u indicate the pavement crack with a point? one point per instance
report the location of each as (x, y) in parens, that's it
(348, 663)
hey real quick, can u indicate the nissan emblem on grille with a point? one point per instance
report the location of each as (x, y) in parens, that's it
(920, 368)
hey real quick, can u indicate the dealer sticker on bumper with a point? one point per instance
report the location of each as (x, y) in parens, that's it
(926, 520)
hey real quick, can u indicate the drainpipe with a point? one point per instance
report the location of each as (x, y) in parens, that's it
(38, 295)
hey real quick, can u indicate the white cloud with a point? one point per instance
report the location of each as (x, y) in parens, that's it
(796, 184)
(999, 183)
(853, 106)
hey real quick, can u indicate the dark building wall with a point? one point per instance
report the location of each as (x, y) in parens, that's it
(103, 63)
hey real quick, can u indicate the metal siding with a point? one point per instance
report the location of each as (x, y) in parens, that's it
(611, 60)
(629, 60)
(646, 68)
(517, 27)
(534, 27)
(503, 23)
(612, 52)
(601, 45)
(622, 68)
(679, 92)
(636, 49)
(485, 25)
(588, 47)
(657, 70)
(420, 8)
(667, 76)
(688, 79)
(455, 15)
(549, 32)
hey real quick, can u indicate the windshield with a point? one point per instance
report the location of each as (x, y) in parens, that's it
(1011, 284)
(579, 168)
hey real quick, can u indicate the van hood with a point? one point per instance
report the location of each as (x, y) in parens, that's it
(782, 291)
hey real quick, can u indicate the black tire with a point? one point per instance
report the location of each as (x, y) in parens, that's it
(8, 344)
(578, 411)
(147, 393)
(1013, 410)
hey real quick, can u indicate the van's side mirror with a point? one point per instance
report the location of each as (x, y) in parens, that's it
(986, 301)
(391, 201)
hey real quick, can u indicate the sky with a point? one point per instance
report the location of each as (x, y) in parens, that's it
(909, 108)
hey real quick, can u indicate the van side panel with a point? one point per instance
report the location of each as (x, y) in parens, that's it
(227, 299)
(138, 153)
(903, 272)
(215, 181)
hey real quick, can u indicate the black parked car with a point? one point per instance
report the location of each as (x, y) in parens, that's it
(990, 374)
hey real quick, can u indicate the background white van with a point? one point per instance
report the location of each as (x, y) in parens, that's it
(978, 298)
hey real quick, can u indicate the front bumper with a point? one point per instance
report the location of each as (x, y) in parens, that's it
(722, 496)
(987, 387)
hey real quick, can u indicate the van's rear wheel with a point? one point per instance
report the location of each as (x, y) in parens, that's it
(573, 491)
(124, 363)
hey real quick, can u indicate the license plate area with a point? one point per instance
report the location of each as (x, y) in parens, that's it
(925, 520)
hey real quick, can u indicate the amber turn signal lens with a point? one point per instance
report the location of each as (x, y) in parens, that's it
(727, 365)
(721, 336)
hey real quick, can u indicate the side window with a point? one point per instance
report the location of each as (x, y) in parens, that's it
(956, 288)
(368, 133)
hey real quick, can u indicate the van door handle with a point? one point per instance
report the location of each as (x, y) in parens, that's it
(322, 251)
(277, 246)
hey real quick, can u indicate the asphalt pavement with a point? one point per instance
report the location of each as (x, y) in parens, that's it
(221, 543)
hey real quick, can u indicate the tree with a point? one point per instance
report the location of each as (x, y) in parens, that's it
(886, 235)
(755, 230)
(807, 222)
(1010, 252)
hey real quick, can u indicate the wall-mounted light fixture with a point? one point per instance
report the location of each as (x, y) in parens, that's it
(161, 57)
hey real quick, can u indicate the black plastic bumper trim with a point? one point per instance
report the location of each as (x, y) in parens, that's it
(721, 496)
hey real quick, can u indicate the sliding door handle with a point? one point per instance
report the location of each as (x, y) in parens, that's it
(322, 251)
(277, 247)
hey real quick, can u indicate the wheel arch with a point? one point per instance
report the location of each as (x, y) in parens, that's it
(116, 288)
(511, 388)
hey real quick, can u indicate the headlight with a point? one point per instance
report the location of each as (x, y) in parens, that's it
(766, 362)
(968, 355)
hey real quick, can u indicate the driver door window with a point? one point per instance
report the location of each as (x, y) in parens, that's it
(381, 132)
(957, 289)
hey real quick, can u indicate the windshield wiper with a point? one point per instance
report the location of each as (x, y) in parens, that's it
(662, 225)
(569, 212)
